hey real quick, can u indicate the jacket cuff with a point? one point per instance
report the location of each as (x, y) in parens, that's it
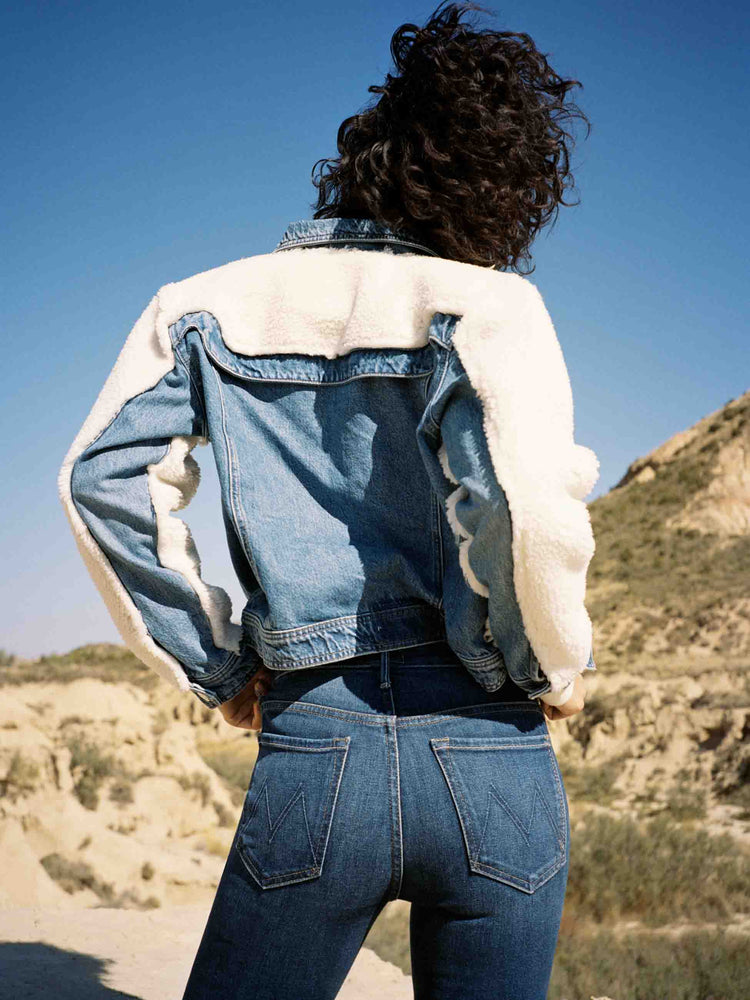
(217, 693)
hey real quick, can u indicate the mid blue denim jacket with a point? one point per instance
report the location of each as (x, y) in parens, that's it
(393, 434)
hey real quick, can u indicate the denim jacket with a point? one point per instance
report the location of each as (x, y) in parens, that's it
(393, 435)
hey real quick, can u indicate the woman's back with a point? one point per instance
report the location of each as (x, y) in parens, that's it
(368, 466)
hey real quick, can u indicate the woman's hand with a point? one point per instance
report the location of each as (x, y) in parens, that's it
(572, 706)
(243, 711)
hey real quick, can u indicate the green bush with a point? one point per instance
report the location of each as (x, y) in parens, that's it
(130, 900)
(72, 876)
(655, 872)
(103, 661)
(21, 778)
(121, 791)
(226, 818)
(94, 765)
(685, 801)
(740, 797)
(198, 781)
(233, 760)
(592, 782)
(695, 965)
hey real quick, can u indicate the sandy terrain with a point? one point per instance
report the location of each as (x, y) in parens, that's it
(104, 954)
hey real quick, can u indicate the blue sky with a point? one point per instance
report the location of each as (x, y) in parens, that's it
(147, 141)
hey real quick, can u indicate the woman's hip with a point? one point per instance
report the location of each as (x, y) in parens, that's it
(419, 680)
(411, 761)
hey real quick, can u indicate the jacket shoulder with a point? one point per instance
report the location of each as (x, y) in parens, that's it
(183, 294)
(331, 300)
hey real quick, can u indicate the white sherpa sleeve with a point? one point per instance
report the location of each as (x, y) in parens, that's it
(509, 350)
(128, 469)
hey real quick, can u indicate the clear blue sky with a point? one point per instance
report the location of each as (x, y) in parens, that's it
(146, 141)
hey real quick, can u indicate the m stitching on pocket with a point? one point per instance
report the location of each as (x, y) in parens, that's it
(514, 827)
(289, 807)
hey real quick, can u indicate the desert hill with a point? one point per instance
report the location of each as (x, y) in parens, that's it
(669, 584)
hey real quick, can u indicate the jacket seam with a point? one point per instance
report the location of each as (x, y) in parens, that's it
(120, 410)
(243, 376)
(305, 381)
(486, 662)
(198, 395)
(231, 479)
(345, 653)
(484, 665)
(431, 401)
(352, 238)
(438, 539)
(302, 629)
(221, 672)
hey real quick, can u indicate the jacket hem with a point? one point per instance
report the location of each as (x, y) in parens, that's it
(340, 638)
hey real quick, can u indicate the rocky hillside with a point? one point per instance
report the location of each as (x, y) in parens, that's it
(113, 794)
(669, 584)
(126, 795)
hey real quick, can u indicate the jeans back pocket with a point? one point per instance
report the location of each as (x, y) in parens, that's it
(510, 802)
(288, 811)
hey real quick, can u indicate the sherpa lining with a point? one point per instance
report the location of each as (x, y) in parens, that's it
(463, 536)
(172, 484)
(331, 300)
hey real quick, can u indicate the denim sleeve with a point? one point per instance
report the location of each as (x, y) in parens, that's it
(478, 513)
(120, 486)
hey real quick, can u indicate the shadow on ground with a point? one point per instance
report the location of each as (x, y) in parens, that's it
(33, 969)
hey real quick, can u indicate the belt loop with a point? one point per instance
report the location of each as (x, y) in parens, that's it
(385, 680)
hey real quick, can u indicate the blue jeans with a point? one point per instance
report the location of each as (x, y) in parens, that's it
(392, 776)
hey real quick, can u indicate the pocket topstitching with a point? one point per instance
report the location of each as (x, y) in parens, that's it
(510, 803)
(288, 811)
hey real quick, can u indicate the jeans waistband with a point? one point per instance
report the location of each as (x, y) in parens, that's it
(439, 653)
(429, 653)
(411, 681)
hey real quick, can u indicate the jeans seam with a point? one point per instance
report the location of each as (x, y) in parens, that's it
(376, 719)
(467, 839)
(445, 743)
(397, 841)
(562, 838)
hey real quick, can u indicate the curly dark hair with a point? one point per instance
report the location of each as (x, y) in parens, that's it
(465, 149)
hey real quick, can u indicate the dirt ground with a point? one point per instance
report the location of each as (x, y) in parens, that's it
(105, 954)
